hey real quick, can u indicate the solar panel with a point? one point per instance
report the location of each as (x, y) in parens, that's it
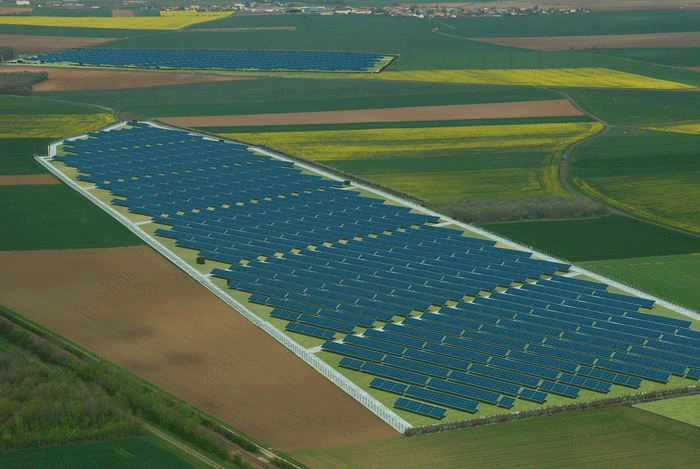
(310, 330)
(420, 408)
(441, 398)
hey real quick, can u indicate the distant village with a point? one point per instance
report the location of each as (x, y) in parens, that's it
(331, 8)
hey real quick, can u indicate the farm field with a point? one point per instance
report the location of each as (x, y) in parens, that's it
(583, 77)
(609, 237)
(278, 95)
(177, 335)
(24, 43)
(135, 22)
(684, 409)
(441, 163)
(554, 108)
(621, 436)
(674, 277)
(27, 179)
(639, 107)
(673, 55)
(608, 42)
(126, 453)
(650, 174)
(74, 79)
(691, 129)
(17, 155)
(56, 217)
(27, 126)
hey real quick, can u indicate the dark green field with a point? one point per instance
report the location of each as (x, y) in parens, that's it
(680, 56)
(396, 125)
(609, 237)
(71, 12)
(673, 277)
(74, 32)
(127, 453)
(619, 437)
(636, 107)
(269, 95)
(33, 105)
(56, 217)
(17, 155)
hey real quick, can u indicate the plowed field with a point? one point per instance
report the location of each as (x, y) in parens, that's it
(690, 39)
(548, 108)
(73, 79)
(28, 43)
(133, 307)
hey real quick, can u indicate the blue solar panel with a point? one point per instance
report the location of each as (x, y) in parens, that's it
(559, 388)
(310, 330)
(225, 59)
(351, 363)
(420, 408)
(534, 396)
(482, 395)
(389, 386)
(437, 397)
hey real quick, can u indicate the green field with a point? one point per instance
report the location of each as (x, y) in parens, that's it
(127, 453)
(674, 277)
(684, 409)
(677, 56)
(17, 155)
(620, 437)
(655, 175)
(636, 107)
(33, 105)
(609, 237)
(270, 95)
(71, 32)
(56, 217)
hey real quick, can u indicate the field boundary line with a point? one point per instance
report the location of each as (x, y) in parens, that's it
(364, 398)
(181, 446)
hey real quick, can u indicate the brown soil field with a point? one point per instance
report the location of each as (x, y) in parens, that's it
(595, 5)
(547, 108)
(70, 79)
(14, 10)
(136, 309)
(27, 179)
(122, 13)
(242, 30)
(691, 39)
(27, 43)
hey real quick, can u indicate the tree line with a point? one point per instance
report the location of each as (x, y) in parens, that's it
(20, 83)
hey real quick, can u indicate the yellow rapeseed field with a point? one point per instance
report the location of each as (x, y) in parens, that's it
(576, 77)
(442, 163)
(133, 22)
(692, 129)
(51, 126)
(357, 144)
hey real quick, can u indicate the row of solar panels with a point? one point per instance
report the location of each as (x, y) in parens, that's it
(218, 59)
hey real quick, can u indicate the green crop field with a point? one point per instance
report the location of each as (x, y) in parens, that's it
(676, 277)
(56, 217)
(270, 95)
(677, 56)
(71, 32)
(655, 175)
(33, 105)
(684, 409)
(66, 12)
(620, 437)
(636, 107)
(608, 237)
(17, 155)
(127, 453)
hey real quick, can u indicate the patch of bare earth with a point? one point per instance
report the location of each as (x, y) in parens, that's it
(122, 13)
(70, 79)
(520, 109)
(27, 180)
(28, 43)
(690, 39)
(15, 10)
(136, 309)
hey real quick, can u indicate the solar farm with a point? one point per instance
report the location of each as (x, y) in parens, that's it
(210, 59)
(448, 324)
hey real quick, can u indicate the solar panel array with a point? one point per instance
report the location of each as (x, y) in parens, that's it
(414, 305)
(223, 59)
